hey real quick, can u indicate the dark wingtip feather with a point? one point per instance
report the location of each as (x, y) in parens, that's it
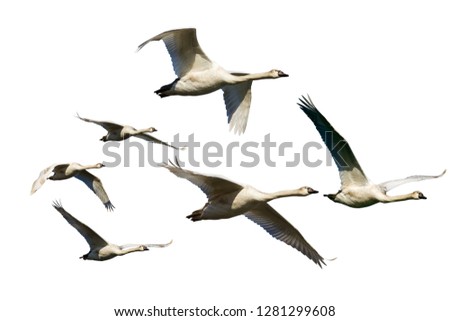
(141, 45)
(57, 204)
(109, 206)
(306, 103)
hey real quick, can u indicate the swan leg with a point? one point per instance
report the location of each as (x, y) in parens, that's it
(163, 91)
(160, 92)
(195, 216)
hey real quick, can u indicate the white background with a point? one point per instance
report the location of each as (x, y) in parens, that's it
(379, 73)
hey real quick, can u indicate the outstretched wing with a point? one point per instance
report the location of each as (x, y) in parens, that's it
(184, 50)
(106, 125)
(43, 175)
(276, 225)
(346, 162)
(93, 239)
(152, 139)
(237, 101)
(210, 185)
(96, 186)
(415, 178)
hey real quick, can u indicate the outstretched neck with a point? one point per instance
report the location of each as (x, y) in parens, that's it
(145, 130)
(130, 131)
(82, 167)
(249, 77)
(266, 197)
(74, 168)
(136, 248)
(397, 198)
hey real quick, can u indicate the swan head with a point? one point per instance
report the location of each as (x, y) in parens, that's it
(103, 139)
(99, 165)
(418, 196)
(152, 130)
(306, 190)
(275, 73)
(84, 257)
(143, 248)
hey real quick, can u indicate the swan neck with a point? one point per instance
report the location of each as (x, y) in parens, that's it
(89, 166)
(397, 198)
(130, 250)
(280, 194)
(261, 75)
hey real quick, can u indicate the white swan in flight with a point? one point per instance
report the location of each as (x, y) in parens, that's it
(65, 171)
(227, 199)
(198, 75)
(117, 132)
(356, 190)
(101, 250)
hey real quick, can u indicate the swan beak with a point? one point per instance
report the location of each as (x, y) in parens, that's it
(312, 191)
(282, 74)
(422, 197)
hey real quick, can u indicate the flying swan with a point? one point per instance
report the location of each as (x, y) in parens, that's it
(100, 250)
(198, 75)
(117, 132)
(356, 190)
(65, 171)
(227, 199)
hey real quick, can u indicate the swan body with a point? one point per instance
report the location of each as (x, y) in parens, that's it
(356, 189)
(117, 132)
(65, 171)
(101, 250)
(227, 199)
(198, 75)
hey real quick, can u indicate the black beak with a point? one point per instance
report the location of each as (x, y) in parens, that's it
(312, 191)
(422, 197)
(282, 74)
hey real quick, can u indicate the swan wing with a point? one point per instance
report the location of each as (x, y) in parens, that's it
(184, 50)
(237, 101)
(210, 185)
(152, 139)
(106, 125)
(276, 225)
(93, 239)
(43, 175)
(96, 186)
(387, 186)
(350, 171)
